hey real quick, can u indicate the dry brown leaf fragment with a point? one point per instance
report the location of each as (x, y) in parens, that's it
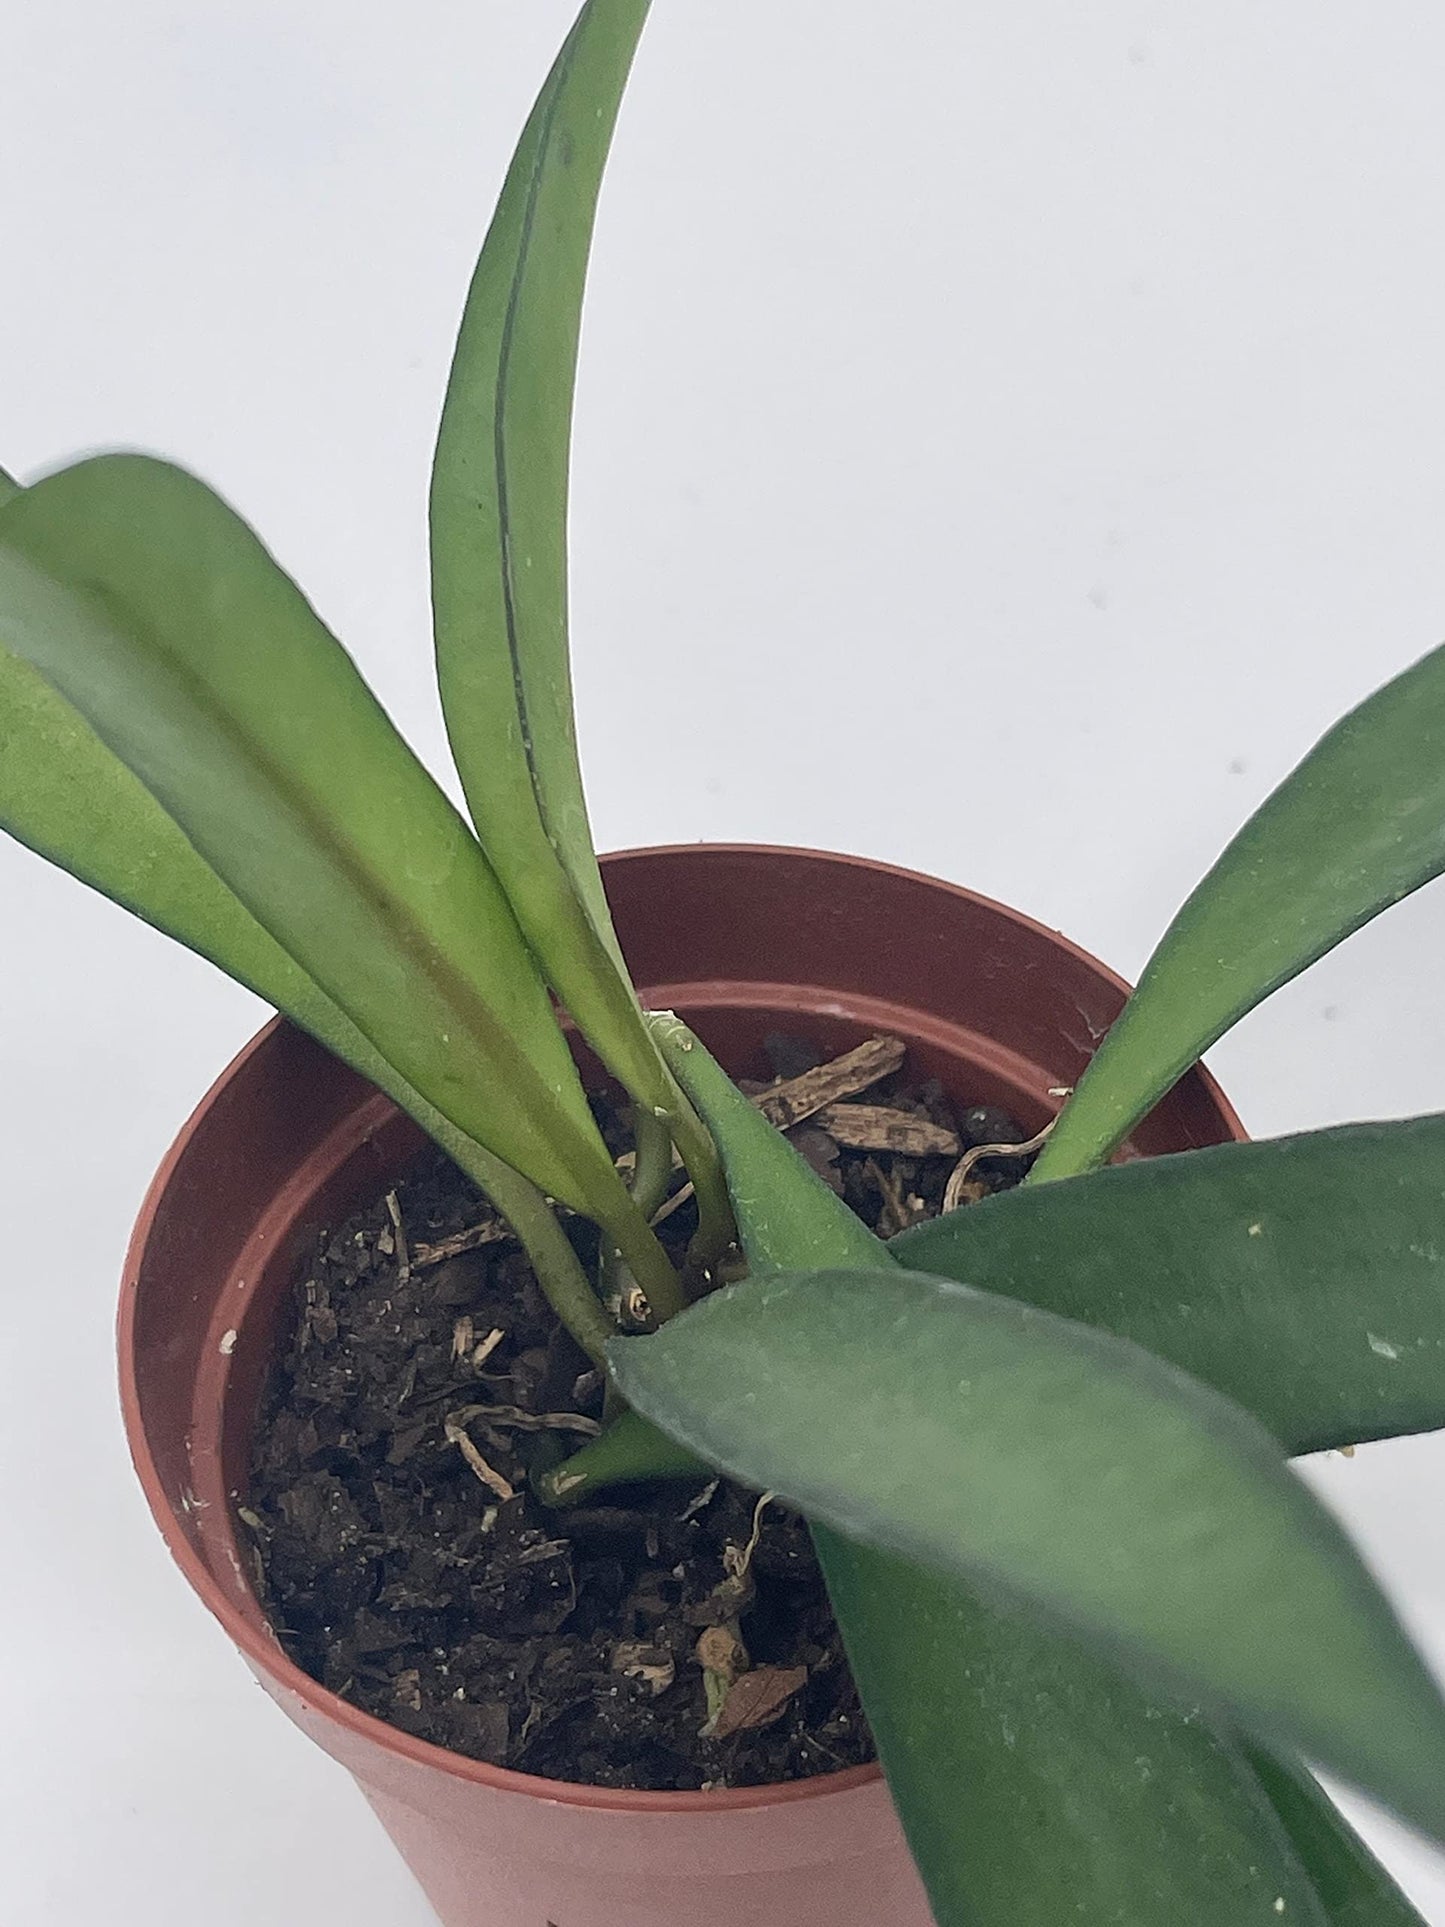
(757, 1699)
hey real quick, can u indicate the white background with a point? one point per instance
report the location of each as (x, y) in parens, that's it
(1007, 437)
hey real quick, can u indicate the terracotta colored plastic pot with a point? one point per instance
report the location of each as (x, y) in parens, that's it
(742, 941)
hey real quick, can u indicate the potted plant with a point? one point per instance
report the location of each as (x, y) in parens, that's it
(1041, 1442)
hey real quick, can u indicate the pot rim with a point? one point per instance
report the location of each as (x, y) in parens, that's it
(270, 1657)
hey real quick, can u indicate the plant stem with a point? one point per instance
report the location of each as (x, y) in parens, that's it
(651, 1177)
(636, 1243)
(716, 1229)
(653, 1171)
(559, 1270)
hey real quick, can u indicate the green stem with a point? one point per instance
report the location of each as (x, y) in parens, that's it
(653, 1172)
(716, 1228)
(559, 1270)
(636, 1243)
(651, 1176)
(1068, 1154)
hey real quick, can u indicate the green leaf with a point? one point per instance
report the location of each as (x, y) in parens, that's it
(1066, 1470)
(65, 796)
(1126, 1799)
(788, 1218)
(8, 487)
(499, 569)
(1038, 1785)
(1358, 826)
(1353, 1887)
(499, 482)
(158, 615)
(630, 1451)
(499, 529)
(1303, 1278)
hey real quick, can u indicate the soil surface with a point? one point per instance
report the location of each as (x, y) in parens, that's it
(663, 1636)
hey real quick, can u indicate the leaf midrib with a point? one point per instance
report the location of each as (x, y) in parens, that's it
(560, 75)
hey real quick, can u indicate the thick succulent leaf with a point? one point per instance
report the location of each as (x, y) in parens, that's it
(1065, 1469)
(64, 795)
(631, 1451)
(787, 1217)
(8, 487)
(1303, 1278)
(1039, 1784)
(499, 537)
(157, 614)
(951, 1684)
(1354, 1889)
(499, 582)
(1358, 826)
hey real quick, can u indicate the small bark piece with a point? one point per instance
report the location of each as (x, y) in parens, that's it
(699, 1502)
(403, 1259)
(790, 1102)
(875, 1127)
(486, 1728)
(653, 1665)
(488, 1345)
(491, 1232)
(798, 1098)
(757, 1699)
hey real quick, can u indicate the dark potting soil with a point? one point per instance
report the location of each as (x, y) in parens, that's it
(595, 1645)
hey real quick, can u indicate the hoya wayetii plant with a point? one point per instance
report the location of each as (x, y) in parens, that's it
(1098, 1623)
